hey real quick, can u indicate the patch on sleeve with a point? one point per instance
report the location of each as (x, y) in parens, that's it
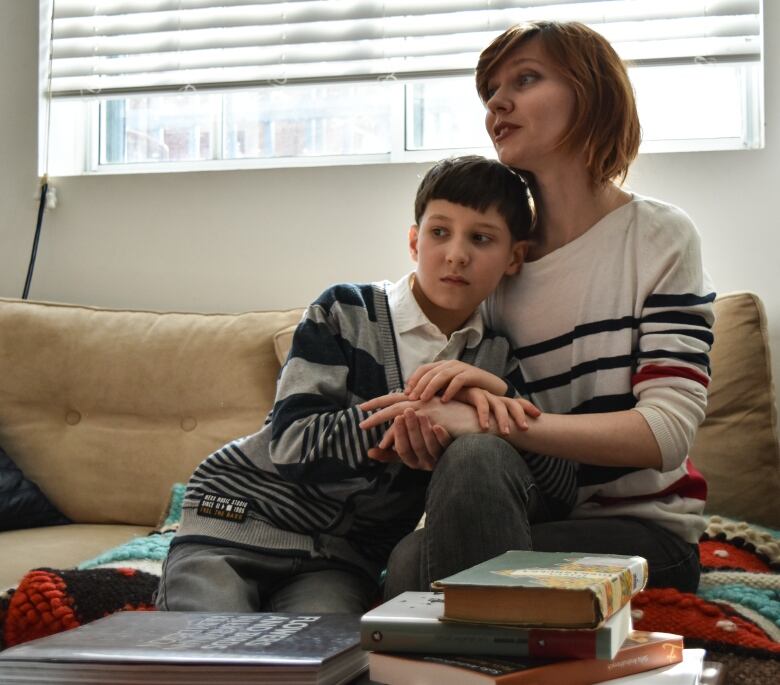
(225, 508)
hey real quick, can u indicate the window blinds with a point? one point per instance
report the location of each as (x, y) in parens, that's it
(122, 46)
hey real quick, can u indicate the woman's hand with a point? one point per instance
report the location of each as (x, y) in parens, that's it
(502, 409)
(450, 376)
(413, 440)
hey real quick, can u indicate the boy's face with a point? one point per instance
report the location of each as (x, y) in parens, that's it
(461, 256)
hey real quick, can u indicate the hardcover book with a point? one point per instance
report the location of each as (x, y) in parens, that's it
(412, 622)
(543, 589)
(641, 652)
(161, 647)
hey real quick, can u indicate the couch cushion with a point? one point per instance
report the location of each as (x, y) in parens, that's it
(57, 547)
(736, 447)
(106, 409)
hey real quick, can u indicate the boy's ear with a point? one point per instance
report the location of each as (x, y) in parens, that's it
(414, 232)
(519, 251)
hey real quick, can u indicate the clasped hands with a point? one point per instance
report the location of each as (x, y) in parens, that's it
(442, 401)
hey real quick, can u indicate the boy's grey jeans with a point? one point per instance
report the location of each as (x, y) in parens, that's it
(224, 579)
(482, 501)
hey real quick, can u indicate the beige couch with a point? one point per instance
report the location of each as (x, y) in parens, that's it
(106, 409)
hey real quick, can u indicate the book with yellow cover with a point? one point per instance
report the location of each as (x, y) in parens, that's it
(550, 589)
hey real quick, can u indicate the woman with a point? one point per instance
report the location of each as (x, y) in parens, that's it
(610, 319)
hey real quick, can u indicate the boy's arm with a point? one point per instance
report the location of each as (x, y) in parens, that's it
(314, 420)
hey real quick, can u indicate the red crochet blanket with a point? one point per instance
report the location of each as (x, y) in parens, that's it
(735, 615)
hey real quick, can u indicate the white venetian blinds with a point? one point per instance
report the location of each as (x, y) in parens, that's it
(123, 46)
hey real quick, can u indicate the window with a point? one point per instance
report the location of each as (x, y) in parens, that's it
(191, 84)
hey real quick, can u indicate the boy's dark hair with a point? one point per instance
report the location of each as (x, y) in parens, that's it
(479, 183)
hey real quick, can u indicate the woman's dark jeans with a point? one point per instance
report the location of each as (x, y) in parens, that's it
(482, 501)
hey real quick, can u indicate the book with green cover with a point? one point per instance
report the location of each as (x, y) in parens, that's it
(412, 623)
(543, 589)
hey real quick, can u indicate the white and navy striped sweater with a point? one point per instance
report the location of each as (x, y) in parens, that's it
(620, 318)
(303, 484)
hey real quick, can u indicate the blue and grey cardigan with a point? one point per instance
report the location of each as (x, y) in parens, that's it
(303, 484)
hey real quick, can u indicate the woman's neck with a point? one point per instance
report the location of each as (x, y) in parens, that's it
(568, 206)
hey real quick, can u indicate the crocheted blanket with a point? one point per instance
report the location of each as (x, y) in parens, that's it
(735, 615)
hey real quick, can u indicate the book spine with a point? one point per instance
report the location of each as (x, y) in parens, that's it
(565, 644)
(379, 636)
(409, 638)
(641, 656)
(637, 659)
(614, 593)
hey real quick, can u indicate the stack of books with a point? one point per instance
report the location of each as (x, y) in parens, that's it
(525, 617)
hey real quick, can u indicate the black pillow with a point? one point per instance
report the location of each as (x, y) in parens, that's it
(22, 504)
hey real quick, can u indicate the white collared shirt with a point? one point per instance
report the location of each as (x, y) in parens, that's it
(418, 340)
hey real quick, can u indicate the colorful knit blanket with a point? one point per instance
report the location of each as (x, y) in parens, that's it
(735, 615)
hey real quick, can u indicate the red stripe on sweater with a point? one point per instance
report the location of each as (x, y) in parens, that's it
(692, 486)
(652, 371)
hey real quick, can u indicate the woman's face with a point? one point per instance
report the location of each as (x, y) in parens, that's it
(530, 108)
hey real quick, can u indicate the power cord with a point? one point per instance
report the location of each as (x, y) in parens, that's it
(45, 177)
(39, 223)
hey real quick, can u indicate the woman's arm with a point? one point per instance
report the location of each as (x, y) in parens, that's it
(621, 438)
(608, 439)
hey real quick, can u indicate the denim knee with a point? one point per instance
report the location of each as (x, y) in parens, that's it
(480, 465)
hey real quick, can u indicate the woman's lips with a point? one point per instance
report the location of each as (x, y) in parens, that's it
(503, 130)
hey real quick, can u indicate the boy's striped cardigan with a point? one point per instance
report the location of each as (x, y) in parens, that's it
(303, 484)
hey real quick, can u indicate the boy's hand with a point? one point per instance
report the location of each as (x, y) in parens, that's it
(503, 409)
(457, 418)
(450, 376)
(413, 440)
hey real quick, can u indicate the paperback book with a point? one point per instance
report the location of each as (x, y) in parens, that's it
(543, 589)
(641, 652)
(690, 671)
(161, 648)
(412, 622)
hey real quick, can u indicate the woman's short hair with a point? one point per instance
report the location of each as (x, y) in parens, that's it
(605, 122)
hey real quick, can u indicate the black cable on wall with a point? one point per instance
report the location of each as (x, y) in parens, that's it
(39, 223)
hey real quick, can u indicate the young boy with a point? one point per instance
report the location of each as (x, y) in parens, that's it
(296, 517)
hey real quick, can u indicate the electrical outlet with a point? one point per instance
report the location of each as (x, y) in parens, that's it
(51, 197)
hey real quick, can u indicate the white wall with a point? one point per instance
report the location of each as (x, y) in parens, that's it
(236, 240)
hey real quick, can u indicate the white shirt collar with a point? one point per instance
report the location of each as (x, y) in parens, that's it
(407, 314)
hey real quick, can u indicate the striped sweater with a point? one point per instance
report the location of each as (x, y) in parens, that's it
(620, 318)
(303, 484)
